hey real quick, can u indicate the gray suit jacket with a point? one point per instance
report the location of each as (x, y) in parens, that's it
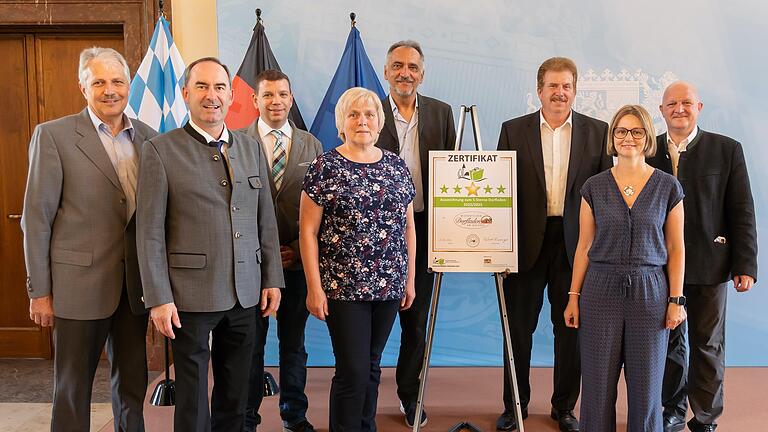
(304, 149)
(78, 244)
(205, 243)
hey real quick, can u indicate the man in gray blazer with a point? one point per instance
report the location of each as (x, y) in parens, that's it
(80, 249)
(208, 249)
(288, 150)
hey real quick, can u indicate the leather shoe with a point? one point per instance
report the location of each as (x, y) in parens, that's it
(302, 426)
(507, 422)
(673, 423)
(695, 426)
(566, 421)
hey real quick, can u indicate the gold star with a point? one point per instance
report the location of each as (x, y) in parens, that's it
(456, 189)
(501, 189)
(487, 189)
(443, 189)
(472, 189)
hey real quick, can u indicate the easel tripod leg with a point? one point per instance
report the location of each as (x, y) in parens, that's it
(427, 352)
(509, 358)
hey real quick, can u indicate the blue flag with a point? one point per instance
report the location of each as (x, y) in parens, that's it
(155, 96)
(355, 70)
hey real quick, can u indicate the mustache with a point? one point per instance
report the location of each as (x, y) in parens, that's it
(558, 98)
(405, 80)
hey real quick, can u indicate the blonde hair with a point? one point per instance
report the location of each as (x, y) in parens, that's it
(351, 97)
(649, 149)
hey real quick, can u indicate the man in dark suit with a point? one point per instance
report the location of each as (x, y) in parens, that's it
(288, 151)
(208, 250)
(80, 245)
(413, 125)
(720, 244)
(558, 149)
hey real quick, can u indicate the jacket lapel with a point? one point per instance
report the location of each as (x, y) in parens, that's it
(533, 139)
(578, 145)
(253, 131)
(392, 144)
(90, 144)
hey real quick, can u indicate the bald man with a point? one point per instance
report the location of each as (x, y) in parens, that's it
(720, 245)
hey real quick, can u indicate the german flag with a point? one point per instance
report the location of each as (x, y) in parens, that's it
(258, 58)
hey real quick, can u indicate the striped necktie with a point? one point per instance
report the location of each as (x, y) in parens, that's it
(279, 157)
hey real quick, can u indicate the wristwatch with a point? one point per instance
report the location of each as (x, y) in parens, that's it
(678, 300)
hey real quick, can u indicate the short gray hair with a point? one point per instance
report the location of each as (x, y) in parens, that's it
(106, 54)
(351, 97)
(407, 43)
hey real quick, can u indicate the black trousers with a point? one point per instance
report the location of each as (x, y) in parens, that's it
(359, 331)
(700, 377)
(413, 321)
(77, 347)
(291, 322)
(524, 293)
(230, 356)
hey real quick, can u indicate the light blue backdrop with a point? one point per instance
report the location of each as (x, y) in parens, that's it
(486, 52)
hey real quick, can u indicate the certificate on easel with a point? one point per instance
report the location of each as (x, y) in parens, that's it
(473, 217)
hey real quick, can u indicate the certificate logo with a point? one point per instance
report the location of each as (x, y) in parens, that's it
(473, 240)
(473, 220)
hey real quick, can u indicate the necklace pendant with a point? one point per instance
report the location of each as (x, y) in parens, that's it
(629, 191)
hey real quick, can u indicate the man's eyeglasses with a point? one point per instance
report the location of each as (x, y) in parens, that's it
(621, 133)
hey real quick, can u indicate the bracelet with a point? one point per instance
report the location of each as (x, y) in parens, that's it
(574, 293)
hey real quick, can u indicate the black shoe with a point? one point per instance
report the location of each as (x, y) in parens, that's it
(565, 420)
(673, 423)
(409, 409)
(695, 426)
(302, 426)
(507, 422)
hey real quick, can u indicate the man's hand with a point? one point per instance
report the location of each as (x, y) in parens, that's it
(287, 255)
(270, 301)
(163, 316)
(41, 310)
(743, 283)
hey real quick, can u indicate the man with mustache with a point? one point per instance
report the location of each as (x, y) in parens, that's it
(80, 245)
(414, 124)
(720, 244)
(208, 250)
(558, 149)
(288, 151)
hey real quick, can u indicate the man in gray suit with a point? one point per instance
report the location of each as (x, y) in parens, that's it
(80, 249)
(208, 249)
(288, 151)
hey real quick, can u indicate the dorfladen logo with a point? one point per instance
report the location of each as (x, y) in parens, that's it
(473, 220)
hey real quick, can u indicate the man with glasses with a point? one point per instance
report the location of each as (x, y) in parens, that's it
(720, 244)
(558, 149)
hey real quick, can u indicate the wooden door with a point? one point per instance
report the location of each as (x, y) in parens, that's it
(38, 77)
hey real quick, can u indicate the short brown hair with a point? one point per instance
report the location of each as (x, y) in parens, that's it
(556, 64)
(270, 75)
(202, 60)
(649, 149)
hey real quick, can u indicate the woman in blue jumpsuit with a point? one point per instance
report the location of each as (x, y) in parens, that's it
(631, 227)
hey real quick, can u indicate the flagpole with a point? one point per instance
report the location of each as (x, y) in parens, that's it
(352, 17)
(258, 15)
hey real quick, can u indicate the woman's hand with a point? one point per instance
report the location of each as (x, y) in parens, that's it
(676, 314)
(571, 313)
(410, 294)
(317, 303)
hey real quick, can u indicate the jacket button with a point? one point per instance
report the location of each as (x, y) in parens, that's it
(215, 157)
(122, 200)
(238, 235)
(142, 299)
(224, 183)
(235, 208)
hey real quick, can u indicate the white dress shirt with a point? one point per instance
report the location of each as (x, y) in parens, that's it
(675, 149)
(408, 138)
(123, 156)
(556, 150)
(268, 140)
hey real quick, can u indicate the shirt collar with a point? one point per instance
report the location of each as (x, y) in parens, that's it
(265, 129)
(127, 125)
(392, 103)
(207, 136)
(543, 122)
(687, 140)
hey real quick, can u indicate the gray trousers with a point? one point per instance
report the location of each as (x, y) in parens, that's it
(700, 378)
(78, 345)
(622, 315)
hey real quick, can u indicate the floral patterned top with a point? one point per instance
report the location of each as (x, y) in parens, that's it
(361, 240)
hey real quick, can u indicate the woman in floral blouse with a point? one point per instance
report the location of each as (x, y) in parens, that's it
(358, 247)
